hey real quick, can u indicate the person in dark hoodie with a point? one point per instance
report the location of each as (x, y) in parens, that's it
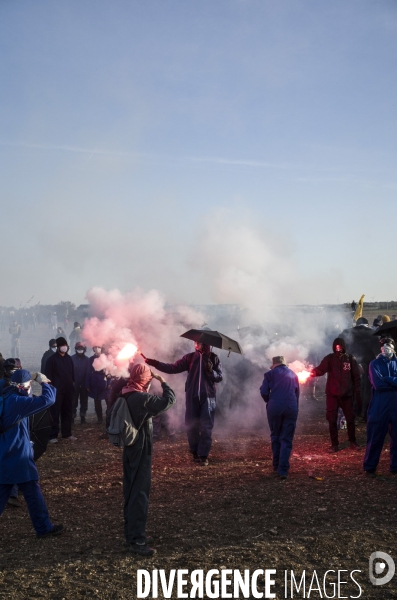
(137, 458)
(81, 364)
(60, 371)
(343, 383)
(204, 372)
(52, 348)
(382, 411)
(361, 342)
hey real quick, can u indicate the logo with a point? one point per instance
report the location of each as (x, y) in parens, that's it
(346, 366)
(377, 565)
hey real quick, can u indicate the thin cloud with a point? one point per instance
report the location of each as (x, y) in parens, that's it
(140, 155)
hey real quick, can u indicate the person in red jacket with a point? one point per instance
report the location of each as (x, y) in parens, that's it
(343, 383)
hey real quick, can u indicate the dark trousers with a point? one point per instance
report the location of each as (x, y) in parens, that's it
(199, 421)
(80, 392)
(98, 397)
(137, 477)
(346, 404)
(162, 421)
(63, 409)
(366, 393)
(282, 429)
(377, 429)
(35, 502)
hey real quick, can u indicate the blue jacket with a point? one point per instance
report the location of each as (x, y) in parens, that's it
(199, 382)
(16, 452)
(280, 388)
(383, 376)
(95, 381)
(81, 365)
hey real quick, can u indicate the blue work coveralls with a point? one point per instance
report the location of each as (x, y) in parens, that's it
(200, 396)
(382, 412)
(16, 453)
(280, 391)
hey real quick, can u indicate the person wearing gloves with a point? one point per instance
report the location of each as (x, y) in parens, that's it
(204, 372)
(10, 366)
(137, 459)
(81, 364)
(16, 454)
(52, 348)
(382, 411)
(96, 383)
(60, 371)
(280, 391)
(342, 383)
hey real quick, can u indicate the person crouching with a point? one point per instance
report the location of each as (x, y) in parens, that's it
(280, 391)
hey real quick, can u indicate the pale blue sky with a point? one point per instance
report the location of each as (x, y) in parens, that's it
(125, 125)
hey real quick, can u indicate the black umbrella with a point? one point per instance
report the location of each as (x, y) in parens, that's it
(40, 430)
(213, 338)
(386, 327)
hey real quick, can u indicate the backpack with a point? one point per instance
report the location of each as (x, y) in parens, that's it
(121, 431)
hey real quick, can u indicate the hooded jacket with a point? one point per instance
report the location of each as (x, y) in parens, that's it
(343, 372)
(199, 382)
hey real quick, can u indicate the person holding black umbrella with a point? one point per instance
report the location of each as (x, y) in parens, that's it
(204, 372)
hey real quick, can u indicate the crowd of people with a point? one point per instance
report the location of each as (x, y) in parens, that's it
(361, 375)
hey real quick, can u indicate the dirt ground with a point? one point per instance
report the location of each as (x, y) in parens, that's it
(232, 514)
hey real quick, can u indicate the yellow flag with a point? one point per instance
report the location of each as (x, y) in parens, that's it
(359, 309)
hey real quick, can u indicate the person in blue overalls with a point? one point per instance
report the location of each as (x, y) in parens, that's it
(382, 410)
(17, 465)
(280, 391)
(204, 372)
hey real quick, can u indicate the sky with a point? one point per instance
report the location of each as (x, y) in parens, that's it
(207, 149)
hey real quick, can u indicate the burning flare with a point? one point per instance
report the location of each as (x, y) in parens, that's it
(301, 370)
(127, 352)
(303, 376)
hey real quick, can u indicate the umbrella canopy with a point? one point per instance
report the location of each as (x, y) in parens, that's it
(40, 429)
(386, 327)
(213, 338)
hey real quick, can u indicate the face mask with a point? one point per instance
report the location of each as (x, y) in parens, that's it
(63, 349)
(98, 351)
(80, 351)
(338, 348)
(387, 350)
(54, 348)
(25, 389)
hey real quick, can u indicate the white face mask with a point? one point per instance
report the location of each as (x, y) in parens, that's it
(387, 350)
(63, 349)
(54, 348)
(80, 351)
